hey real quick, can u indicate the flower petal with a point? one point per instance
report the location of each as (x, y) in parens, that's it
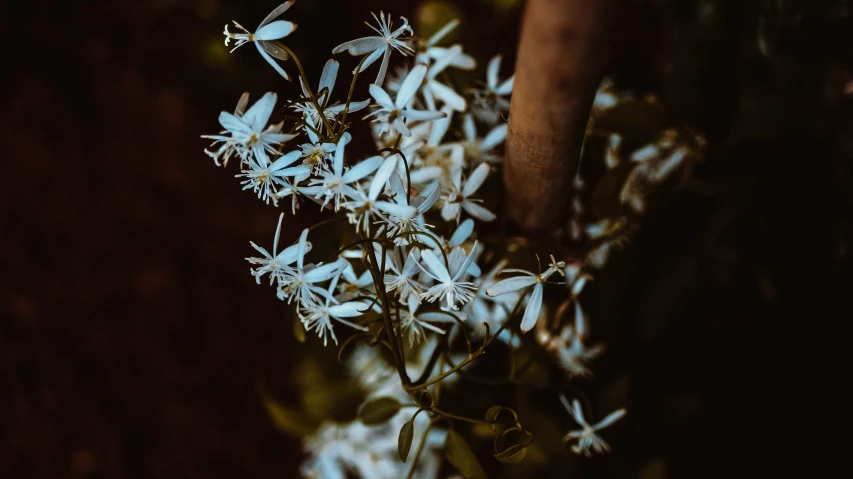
(509, 285)
(275, 30)
(400, 211)
(463, 268)
(495, 137)
(478, 211)
(362, 169)
(418, 115)
(442, 32)
(348, 310)
(534, 305)
(329, 75)
(285, 160)
(324, 272)
(492, 72)
(410, 85)
(272, 62)
(436, 267)
(276, 13)
(302, 249)
(450, 211)
(381, 97)
(259, 114)
(610, 419)
(382, 175)
(475, 181)
(505, 88)
(360, 46)
(448, 96)
(463, 231)
(370, 60)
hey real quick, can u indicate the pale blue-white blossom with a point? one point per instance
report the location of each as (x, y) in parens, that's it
(460, 197)
(276, 264)
(589, 441)
(379, 46)
(448, 277)
(394, 113)
(528, 279)
(491, 101)
(264, 35)
(247, 132)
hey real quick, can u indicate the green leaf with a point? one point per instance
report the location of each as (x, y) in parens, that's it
(517, 452)
(379, 410)
(513, 454)
(404, 442)
(493, 412)
(459, 454)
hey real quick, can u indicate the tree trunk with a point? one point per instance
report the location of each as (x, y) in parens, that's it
(561, 57)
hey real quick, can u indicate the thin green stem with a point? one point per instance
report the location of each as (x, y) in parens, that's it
(349, 96)
(462, 418)
(386, 312)
(311, 95)
(472, 356)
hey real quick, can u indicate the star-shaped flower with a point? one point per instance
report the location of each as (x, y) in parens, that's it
(588, 441)
(266, 32)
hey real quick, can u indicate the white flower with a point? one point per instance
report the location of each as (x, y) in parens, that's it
(353, 285)
(379, 45)
(448, 276)
(569, 348)
(392, 113)
(415, 323)
(460, 235)
(332, 182)
(263, 36)
(461, 197)
(248, 132)
(362, 207)
(516, 283)
(493, 311)
(605, 97)
(433, 89)
(277, 265)
(319, 316)
(479, 150)
(403, 275)
(262, 177)
(586, 436)
(398, 227)
(489, 103)
(434, 160)
(301, 283)
(324, 92)
(290, 188)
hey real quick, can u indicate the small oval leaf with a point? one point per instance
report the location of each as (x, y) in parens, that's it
(459, 454)
(404, 442)
(493, 412)
(513, 454)
(377, 411)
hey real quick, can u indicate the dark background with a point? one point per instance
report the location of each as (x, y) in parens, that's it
(132, 339)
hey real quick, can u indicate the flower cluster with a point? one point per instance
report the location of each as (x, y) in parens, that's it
(414, 275)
